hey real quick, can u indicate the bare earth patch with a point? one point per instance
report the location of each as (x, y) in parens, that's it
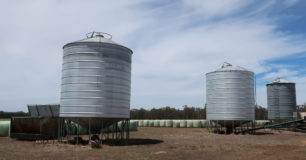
(169, 143)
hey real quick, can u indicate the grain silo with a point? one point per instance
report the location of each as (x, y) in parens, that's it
(96, 82)
(281, 98)
(230, 96)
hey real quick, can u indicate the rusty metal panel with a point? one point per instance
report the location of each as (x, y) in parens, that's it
(32, 128)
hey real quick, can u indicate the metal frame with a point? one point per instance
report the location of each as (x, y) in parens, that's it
(119, 134)
(229, 127)
(26, 133)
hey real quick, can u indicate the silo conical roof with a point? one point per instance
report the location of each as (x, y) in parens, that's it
(226, 67)
(99, 37)
(279, 80)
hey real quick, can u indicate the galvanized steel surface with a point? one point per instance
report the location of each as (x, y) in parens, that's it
(281, 98)
(96, 79)
(230, 94)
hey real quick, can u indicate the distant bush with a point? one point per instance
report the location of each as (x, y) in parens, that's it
(169, 113)
(185, 113)
(4, 114)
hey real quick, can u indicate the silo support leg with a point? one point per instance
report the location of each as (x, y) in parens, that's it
(89, 131)
(78, 131)
(240, 127)
(101, 132)
(113, 133)
(128, 132)
(217, 128)
(233, 127)
(59, 130)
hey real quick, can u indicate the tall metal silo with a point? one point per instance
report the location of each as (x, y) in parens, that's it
(281, 98)
(96, 81)
(230, 95)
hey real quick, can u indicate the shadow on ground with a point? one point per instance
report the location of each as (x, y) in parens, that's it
(261, 133)
(242, 133)
(134, 141)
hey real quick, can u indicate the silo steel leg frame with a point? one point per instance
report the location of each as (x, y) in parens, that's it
(217, 127)
(78, 128)
(101, 132)
(89, 131)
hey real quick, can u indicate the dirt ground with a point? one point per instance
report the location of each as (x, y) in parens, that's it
(169, 143)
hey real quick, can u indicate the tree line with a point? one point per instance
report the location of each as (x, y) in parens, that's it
(167, 113)
(185, 113)
(4, 114)
(301, 108)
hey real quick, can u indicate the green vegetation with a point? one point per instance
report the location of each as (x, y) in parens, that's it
(169, 113)
(8, 115)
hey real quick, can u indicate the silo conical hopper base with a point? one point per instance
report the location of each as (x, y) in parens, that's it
(95, 124)
(110, 130)
(230, 125)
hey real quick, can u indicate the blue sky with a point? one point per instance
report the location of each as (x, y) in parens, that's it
(174, 42)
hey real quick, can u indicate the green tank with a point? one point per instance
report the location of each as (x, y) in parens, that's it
(5, 127)
(176, 123)
(183, 123)
(196, 123)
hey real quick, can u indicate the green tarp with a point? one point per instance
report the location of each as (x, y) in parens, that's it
(189, 123)
(133, 126)
(83, 131)
(261, 122)
(145, 123)
(156, 123)
(176, 123)
(201, 123)
(258, 123)
(196, 123)
(74, 128)
(5, 127)
(134, 121)
(183, 123)
(168, 123)
(162, 123)
(151, 123)
(140, 123)
(204, 123)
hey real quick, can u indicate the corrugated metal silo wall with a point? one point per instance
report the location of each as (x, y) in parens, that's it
(230, 95)
(96, 80)
(281, 100)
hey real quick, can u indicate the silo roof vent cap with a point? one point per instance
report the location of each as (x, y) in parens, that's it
(98, 34)
(99, 37)
(225, 64)
(229, 67)
(280, 80)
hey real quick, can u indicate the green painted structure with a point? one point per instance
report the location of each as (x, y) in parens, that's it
(5, 128)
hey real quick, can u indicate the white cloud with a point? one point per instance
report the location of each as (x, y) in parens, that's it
(174, 45)
(300, 88)
(282, 73)
(212, 9)
(195, 52)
